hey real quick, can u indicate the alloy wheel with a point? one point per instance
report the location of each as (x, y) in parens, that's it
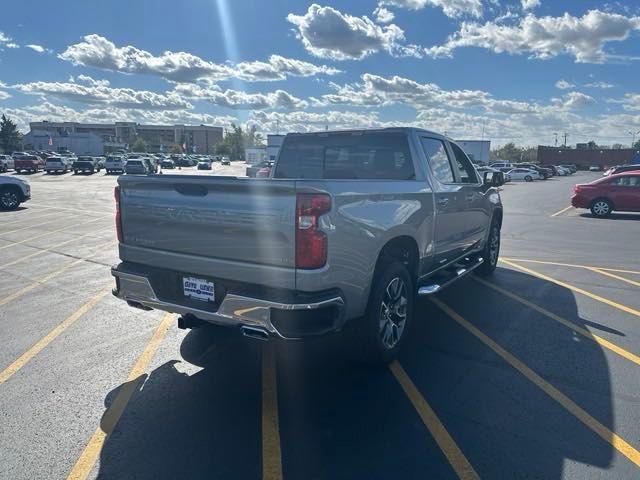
(393, 313)
(9, 199)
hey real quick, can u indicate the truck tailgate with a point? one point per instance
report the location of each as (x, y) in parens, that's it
(218, 225)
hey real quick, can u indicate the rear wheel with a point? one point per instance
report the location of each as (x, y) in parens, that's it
(9, 198)
(528, 178)
(491, 251)
(389, 312)
(601, 207)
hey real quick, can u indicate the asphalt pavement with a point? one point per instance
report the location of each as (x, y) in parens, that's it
(532, 373)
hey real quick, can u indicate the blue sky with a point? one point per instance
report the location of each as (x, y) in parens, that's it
(517, 70)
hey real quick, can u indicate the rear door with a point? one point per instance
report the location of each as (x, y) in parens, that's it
(472, 196)
(625, 193)
(450, 203)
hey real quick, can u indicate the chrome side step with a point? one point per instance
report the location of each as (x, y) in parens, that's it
(458, 273)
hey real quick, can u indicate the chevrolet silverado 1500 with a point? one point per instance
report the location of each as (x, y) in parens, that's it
(348, 229)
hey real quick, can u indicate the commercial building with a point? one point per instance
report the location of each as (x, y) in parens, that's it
(477, 150)
(196, 139)
(255, 155)
(274, 142)
(586, 157)
(79, 143)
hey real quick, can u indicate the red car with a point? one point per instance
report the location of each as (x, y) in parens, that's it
(28, 163)
(619, 192)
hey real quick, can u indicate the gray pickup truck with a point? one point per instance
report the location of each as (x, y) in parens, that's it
(351, 226)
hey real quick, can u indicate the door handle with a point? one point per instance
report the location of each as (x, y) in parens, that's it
(443, 202)
(470, 196)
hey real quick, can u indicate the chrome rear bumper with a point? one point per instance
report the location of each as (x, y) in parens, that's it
(234, 310)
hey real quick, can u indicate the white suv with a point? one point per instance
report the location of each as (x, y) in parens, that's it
(6, 163)
(13, 191)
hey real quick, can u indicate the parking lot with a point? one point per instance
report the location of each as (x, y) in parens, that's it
(532, 374)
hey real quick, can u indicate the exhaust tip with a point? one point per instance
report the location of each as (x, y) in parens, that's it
(255, 333)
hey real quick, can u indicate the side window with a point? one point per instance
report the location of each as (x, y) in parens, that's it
(627, 182)
(465, 167)
(438, 159)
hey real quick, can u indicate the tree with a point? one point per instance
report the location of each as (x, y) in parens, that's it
(9, 135)
(222, 148)
(508, 152)
(592, 145)
(637, 145)
(175, 148)
(139, 145)
(617, 146)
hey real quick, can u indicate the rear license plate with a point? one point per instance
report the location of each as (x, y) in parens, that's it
(198, 289)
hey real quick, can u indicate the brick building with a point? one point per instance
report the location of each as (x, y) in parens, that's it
(604, 157)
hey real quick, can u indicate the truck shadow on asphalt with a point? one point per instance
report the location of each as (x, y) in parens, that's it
(613, 216)
(340, 420)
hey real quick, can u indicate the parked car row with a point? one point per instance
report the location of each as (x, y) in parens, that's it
(529, 172)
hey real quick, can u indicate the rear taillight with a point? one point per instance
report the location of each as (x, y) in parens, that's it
(116, 197)
(311, 243)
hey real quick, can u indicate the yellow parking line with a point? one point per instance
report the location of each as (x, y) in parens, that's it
(51, 249)
(26, 218)
(106, 214)
(576, 328)
(48, 233)
(271, 453)
(30, 226)
(572, 265)
(611, 275)
(607, 435)
(562, 211)
(52, 335)
(90, 454)
(51, 275)
(598, 298)
(456, 458)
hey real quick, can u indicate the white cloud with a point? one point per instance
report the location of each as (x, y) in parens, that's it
(630, 102)
(12, 45)
(546, 37)
(4, 95)
(104, 114)
(574, 101)
(451, 8)
(4, 38)
(103, 95)
(99, 52)
(278, 68)
(601, 85)
(530, 4)
(87, 80)
(383, 15)
(36, 48)
(564, 85)
(329, 33)
(240, 100)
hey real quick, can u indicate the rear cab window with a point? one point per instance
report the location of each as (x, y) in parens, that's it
(346, 155)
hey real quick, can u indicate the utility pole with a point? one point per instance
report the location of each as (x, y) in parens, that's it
(556, 139)
(633, 137)
(565, 139)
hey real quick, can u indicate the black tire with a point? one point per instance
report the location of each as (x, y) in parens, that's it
(380, 340)
(75, 172)
(10, 198)
(528, 178)
(491, 251)
(601, 207)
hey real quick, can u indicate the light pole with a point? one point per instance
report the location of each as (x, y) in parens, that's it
(633, 137)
